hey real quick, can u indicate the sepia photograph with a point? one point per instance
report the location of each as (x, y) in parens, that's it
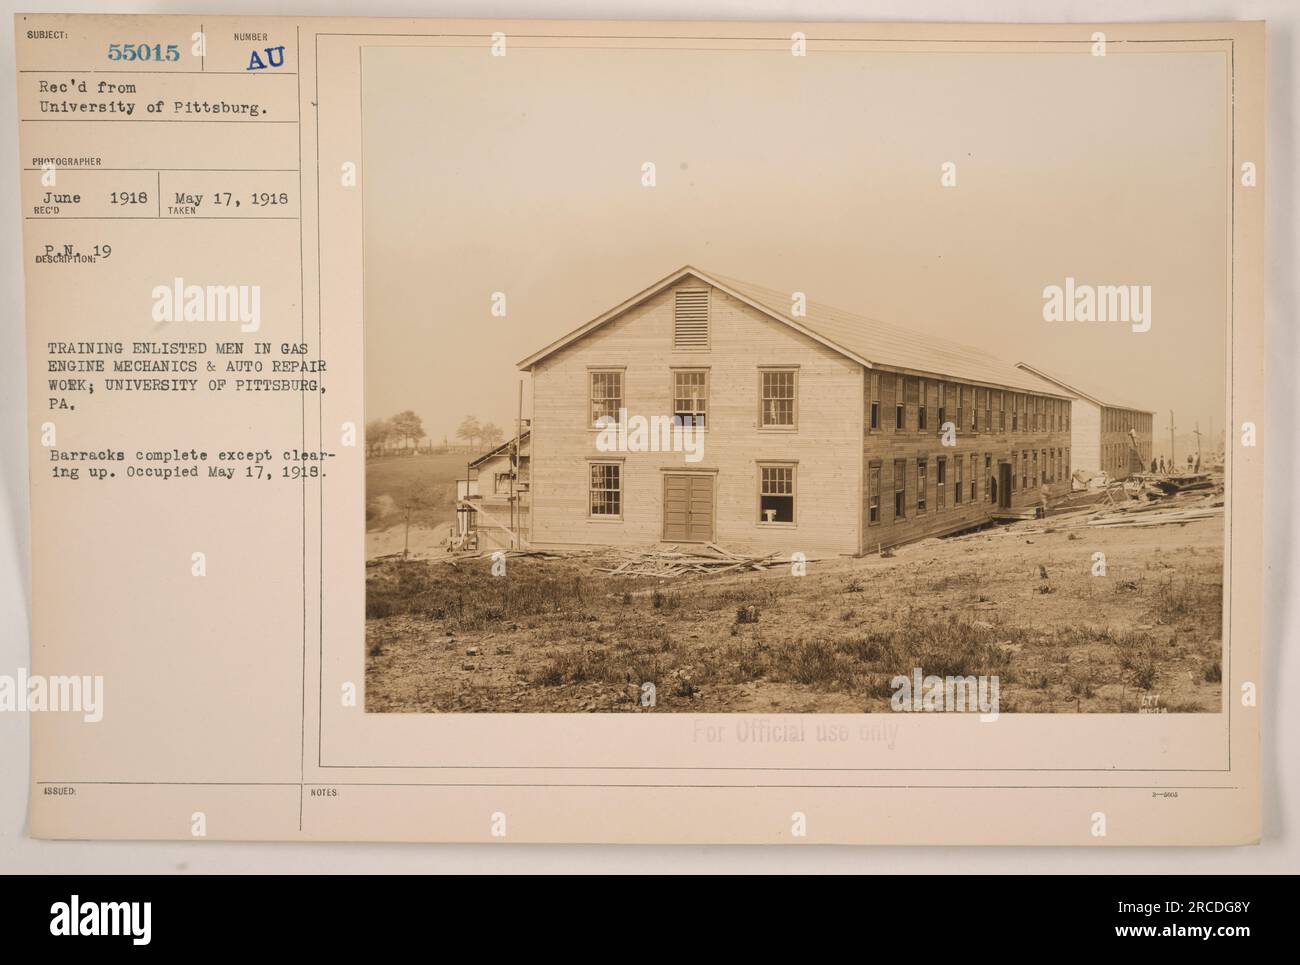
(743, 381)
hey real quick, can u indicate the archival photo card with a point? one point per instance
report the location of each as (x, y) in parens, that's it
(558, 431)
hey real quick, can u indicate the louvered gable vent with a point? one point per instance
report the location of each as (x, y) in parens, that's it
(691, 318)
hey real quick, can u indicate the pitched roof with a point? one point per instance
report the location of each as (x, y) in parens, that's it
(478, 461)
(1110, 401)
(864, 340)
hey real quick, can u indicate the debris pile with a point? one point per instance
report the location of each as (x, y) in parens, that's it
(672, 562)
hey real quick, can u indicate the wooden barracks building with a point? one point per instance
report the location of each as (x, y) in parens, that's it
(1100, 434)
(822, 432)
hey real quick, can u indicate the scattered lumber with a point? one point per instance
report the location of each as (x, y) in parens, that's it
(670, 563)
(1157, 518)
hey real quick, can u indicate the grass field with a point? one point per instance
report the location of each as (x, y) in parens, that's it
(425, 483)
(560, 636)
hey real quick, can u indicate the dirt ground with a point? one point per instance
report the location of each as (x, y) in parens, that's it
(559, 636)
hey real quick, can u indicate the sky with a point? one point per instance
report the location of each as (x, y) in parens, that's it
(822, 174)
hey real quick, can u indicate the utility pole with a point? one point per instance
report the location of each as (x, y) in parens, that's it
(1172, 456)
(1197, 431)
(514, 469)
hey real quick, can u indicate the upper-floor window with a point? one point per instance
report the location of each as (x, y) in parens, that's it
(922, 410)
(875, 401)
(873, 494)
(606, 395)
(778, 398)
(691, 319)
(690, 397)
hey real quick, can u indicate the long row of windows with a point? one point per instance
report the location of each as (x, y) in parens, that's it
(778, 397)
(1122, 420)
(897, 402)
(1031, 467)
(1118, 457)
(777, 490)
(901, 403)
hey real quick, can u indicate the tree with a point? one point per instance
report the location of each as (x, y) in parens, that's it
(378, 432)
(409, 427)
(492, 435)
(469, 430)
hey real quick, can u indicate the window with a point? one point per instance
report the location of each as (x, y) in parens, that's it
(912, 389)
(974, 475)
(691, 319)
(988, 475)
(940, 480)
(1015, 470)
(776, 494)
(690, 397)
(979, 418)
(900, 488)
(921, 408)
(873, 494)
(900, 417)
(875, 402)
(1002, 412)
(944, 390)
(960, 392)
(606, 395)
(1035, 475)
(988, 410)
(956, 481)
(1024, 468)
(922, 472)
(778, 398)
(606, 489)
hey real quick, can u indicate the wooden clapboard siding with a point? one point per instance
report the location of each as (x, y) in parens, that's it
(824, 447)
(1085, 434)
